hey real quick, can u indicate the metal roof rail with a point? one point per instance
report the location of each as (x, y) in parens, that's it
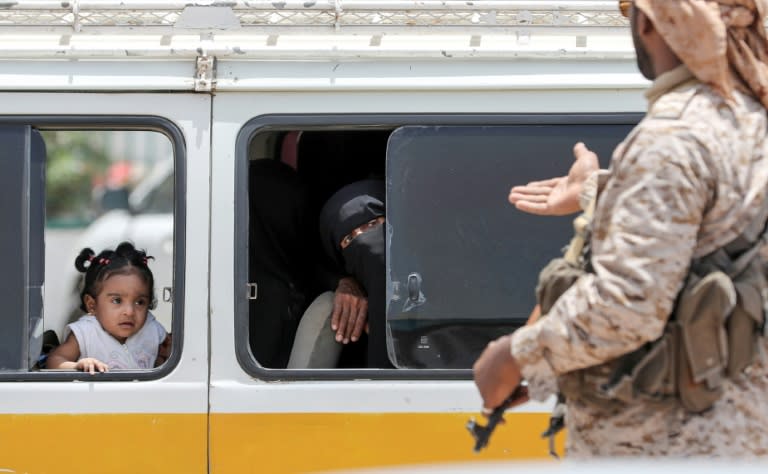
(338, 14)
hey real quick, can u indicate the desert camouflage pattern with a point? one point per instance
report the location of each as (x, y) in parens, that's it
(723, 42)
(686, 181)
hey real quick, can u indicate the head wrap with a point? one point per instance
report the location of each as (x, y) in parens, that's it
(722, 42)
(351, 206)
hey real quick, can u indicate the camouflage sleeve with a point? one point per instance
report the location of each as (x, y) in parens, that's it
(644, 234)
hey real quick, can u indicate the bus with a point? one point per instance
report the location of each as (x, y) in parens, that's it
(452, 102)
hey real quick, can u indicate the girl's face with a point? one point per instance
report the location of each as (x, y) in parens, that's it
(121, 306)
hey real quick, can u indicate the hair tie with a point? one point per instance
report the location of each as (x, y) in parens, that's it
(145, 260)
(103, 261)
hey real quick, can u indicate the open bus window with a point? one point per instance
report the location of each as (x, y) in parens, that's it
(461, 263)
(67, 189)
(291, 174)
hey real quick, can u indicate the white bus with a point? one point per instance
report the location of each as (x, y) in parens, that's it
(452, 101)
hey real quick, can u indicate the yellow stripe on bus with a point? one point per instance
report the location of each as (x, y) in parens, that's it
(296, 442)
(263, 443)
(104, 443)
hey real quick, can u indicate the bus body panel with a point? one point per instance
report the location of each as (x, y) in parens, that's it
(210, 413)
(123, 426)
(286, 425)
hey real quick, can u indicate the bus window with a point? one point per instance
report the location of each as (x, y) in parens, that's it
(69, 188)
(290, 175)
(461, 262)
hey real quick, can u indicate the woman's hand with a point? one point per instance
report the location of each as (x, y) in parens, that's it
(557, 196)
(350, 311)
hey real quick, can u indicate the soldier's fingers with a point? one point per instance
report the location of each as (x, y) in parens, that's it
(537, 186)
(533, 207)
(581, 152)
(531, 190)
(545, 183)
(514, 198)
(579, 149)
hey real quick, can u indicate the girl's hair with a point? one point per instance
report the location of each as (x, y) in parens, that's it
(124, 260)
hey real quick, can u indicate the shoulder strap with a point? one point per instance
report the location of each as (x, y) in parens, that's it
(581, 230)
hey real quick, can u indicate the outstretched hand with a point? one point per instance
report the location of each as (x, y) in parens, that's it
(557, 196)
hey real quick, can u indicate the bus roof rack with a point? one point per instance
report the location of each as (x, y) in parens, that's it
(337, 14)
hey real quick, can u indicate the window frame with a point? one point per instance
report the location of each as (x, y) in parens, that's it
(342, 122)
(144, 123)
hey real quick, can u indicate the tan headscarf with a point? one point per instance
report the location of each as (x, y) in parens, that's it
(723, 42)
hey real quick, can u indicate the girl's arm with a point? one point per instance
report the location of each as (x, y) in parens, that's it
(65, 356)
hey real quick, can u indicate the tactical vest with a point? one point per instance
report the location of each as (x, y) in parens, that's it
(712, 333)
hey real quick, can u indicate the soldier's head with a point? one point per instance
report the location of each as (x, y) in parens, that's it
(654, 56)
(722, 42)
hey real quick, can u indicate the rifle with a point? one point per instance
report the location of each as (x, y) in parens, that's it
(482, 434)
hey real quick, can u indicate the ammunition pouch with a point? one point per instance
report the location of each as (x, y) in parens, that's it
(712, 334)
(554, 279)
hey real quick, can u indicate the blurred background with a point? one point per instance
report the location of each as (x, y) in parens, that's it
(103, 187)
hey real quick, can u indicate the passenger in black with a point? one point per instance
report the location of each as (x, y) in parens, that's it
(352, 232)
(278, 257)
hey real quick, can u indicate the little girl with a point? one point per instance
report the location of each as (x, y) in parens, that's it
(118, 332)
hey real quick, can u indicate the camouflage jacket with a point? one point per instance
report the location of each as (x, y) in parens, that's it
(686, 181)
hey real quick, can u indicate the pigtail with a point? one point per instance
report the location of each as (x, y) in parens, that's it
(84, 260)
(125, 249)
(137, 257)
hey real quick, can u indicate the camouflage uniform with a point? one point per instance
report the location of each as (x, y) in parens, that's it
(686, 181)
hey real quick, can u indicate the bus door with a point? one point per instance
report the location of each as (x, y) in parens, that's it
(91, 170)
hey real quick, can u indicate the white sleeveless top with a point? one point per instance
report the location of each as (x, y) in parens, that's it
(138, 352)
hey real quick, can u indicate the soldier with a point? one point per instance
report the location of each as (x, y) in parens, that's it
(686, 182)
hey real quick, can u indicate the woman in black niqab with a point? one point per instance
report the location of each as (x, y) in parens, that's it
(364, 257)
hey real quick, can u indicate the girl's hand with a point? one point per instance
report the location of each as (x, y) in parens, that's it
(89, 364)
